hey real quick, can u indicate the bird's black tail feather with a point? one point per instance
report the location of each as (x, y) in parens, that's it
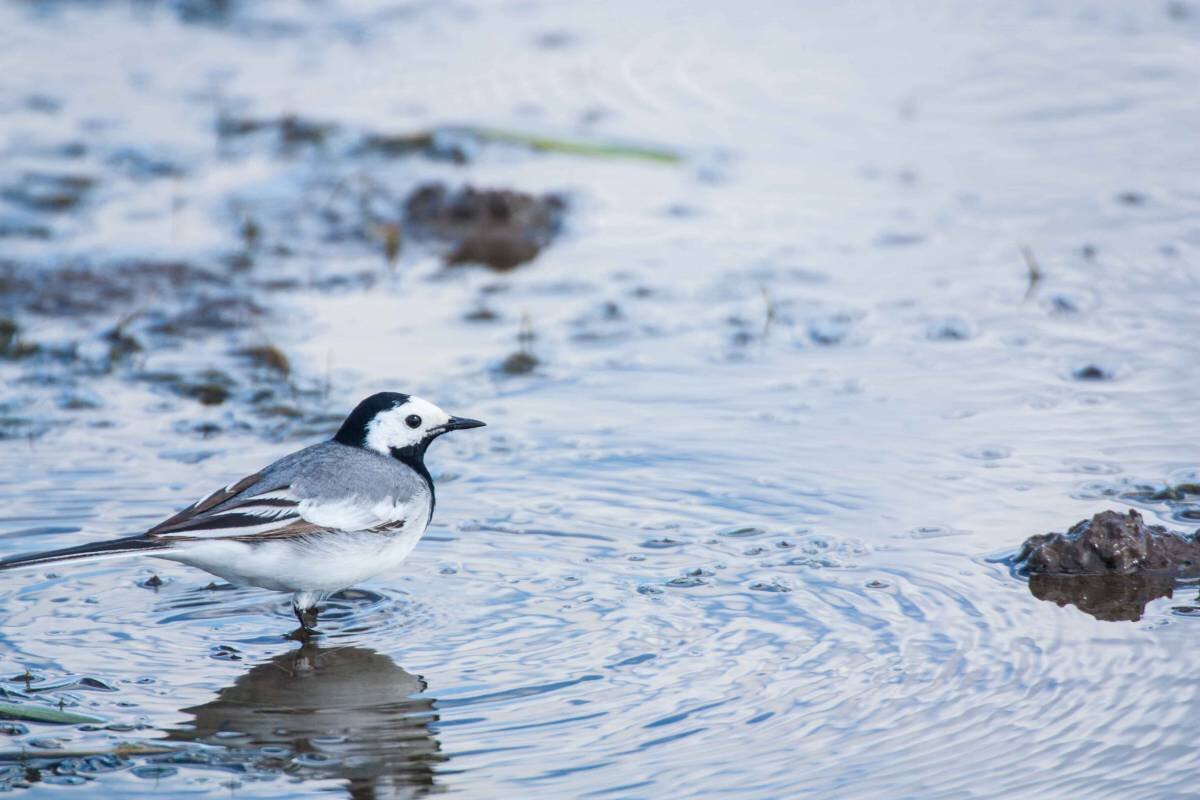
(110, 549)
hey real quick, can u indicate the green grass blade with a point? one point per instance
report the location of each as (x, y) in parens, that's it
(36, 713)
(576, 147)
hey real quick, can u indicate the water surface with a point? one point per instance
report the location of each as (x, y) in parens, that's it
(734, 532)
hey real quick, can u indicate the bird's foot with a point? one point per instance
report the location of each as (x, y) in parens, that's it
(304, 636)
(308, 623)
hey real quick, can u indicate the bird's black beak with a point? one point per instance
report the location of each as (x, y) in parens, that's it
(461, 423)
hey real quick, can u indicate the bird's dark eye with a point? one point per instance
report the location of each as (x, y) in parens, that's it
(412, 421)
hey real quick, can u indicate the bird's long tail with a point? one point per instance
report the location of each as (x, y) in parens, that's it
(95, 550)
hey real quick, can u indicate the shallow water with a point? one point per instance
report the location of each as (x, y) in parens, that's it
(736, 532)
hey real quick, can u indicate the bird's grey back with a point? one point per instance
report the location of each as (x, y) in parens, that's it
(331, 471)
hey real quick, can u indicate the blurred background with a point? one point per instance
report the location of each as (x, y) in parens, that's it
(787, 321)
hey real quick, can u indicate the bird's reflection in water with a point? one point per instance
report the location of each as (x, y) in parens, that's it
(1113, 598)
(337, 712)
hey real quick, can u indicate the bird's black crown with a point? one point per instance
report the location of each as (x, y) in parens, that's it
(354, 430)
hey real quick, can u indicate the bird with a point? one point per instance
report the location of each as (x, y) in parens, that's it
(313, 523)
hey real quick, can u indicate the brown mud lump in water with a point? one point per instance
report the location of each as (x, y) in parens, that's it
(497, 228)
(1111, 543)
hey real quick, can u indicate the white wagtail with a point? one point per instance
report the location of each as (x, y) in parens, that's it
(313, 523)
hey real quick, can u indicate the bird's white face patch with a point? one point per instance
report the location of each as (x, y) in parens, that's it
(404, 426)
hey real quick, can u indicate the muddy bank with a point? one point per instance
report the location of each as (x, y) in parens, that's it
(63, 326)
(1111, 543)
(123, 315)
(332, 207)
(124, 310)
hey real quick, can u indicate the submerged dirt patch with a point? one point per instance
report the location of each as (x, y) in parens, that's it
(48, 192)
(123, 315)
(75, 289)
(498, 228)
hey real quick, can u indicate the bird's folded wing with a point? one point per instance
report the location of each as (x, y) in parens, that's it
(254, 509)
(249, 508)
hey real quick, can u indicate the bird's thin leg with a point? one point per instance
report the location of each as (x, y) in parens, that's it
(308, 620)
(307, 616)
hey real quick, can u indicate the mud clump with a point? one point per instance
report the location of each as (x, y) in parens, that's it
(289, 131)
(434, 145)
(47, 192)
(481, 314)
(519, 363)
(268, 357)
(207, 394)
(1111, 543)
(12, 346)
(121, 343)
(1178, 492)
(210, 387)
(498, 228)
